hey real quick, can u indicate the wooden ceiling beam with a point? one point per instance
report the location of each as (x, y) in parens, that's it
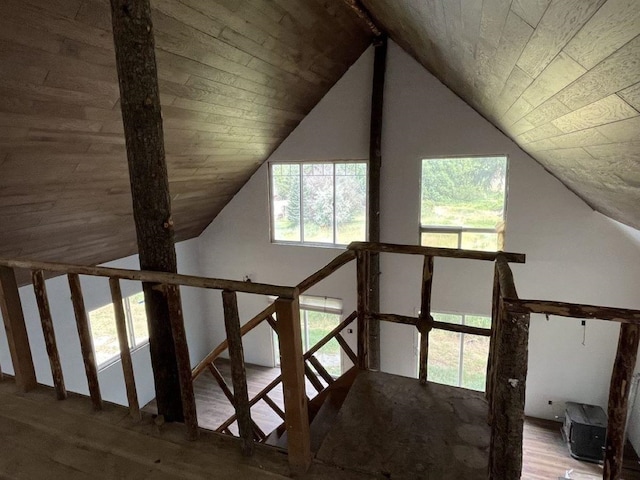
(365, 16)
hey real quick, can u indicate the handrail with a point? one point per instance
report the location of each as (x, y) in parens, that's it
(572, 310)
(155, 277)
(302, 287)
(308, 354)
(325, 271)
(246, 328)
(436, 252)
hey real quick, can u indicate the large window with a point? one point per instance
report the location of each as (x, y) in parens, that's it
(318, 316)
(103, 329)
(319, 203)
(463, 202)
(458, 359)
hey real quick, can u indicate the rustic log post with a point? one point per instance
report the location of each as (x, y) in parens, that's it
(363, 309)
(619, 398)
(425, 322)
(505, 451)
(238, 371)
(125, 352)
(86, 344)
(42, 300)
(375, 164)
(293, 383)
(142, 118)
(491, 360)
(184, 362)
(16, 330)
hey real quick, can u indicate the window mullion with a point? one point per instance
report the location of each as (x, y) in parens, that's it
(461, 359)
(301, 204)
(335, 226)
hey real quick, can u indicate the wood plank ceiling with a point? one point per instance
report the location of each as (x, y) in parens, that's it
(236, 76)
(560, 77)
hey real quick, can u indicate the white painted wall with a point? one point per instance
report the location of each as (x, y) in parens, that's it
(573, 253)
(96, 294)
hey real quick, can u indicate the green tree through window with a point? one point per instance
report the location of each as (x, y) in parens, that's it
(463, 202)
(319, 203)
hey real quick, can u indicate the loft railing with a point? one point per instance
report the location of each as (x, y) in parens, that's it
(250, 431)
(506, 371)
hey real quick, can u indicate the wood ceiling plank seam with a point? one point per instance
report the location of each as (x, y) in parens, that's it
(622, 131)
(515, 37)
(48, 122)
(538, 133)
(190, 16)
(22, 34)
(67, 8)
(172, 45)
(531, 11)
(560, 73)
(294, 66)
(494, 17)
(631, 95)
(614, 73)
(45, 93)
(217, 87)
(517, 82)
(560, 23)
(205, 104)
(616, 23)
(603, 111)
(547, 112)
(200, 70)
(581, 138)
(516, 112)
(56, 24)
(164, 23)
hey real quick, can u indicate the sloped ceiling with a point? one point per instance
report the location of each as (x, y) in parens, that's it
(560, 77)
(236, 76)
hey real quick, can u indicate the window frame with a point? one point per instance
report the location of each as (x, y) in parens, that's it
(134, 346)
(460, 349)
(459, 229)
(302, 242)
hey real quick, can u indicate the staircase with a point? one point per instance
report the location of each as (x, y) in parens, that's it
(323, 410)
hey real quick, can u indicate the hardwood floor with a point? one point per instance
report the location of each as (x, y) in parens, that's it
(546, 455)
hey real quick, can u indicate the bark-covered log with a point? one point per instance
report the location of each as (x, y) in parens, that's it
(142, 118)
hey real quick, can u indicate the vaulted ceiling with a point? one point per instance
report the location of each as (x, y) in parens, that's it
(560, 77)
(236, 76)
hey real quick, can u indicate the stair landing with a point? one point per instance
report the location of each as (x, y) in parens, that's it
(394, 426)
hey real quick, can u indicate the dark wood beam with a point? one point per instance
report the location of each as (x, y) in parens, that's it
(375, 164)
(623, 367)
(140, 104)
(365, 16)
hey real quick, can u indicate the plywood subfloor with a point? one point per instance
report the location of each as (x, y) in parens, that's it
(43, 438)
(395, 426)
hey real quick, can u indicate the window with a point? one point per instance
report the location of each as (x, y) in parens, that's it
(463, 202)
(318, 316)
(318, 203)
(458, 359)
(104, 333)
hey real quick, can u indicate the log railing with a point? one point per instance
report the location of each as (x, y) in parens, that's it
(287, 328)
(508, 367)
(169, 284)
